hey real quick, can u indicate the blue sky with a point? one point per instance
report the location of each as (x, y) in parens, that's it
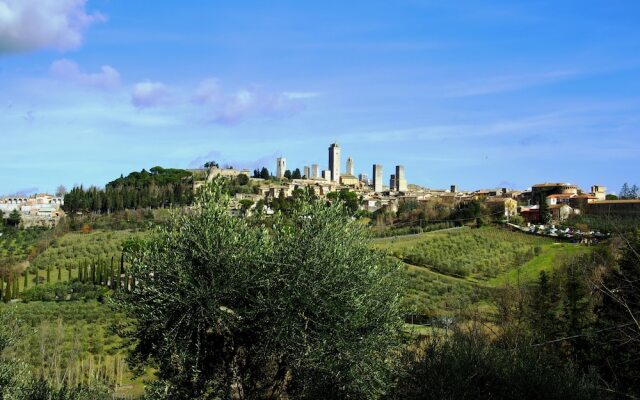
(490, 95)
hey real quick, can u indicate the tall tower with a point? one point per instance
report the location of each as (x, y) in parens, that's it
(315, 171)
(377, 178)
(401, 180)
(350, 169)
(393, 185)
(307, 172)
(334, 162)
(282, 167)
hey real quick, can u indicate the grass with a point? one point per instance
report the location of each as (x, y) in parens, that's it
(552, 255)
(434, 295)
(72, 339)
(434, 292)
(476, 254)
(74, 249)
(19, 243)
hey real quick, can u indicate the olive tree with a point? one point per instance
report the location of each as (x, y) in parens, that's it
(295, 305)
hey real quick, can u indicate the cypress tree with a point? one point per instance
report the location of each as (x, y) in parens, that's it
(36, 277)
(59, 273)
(111, 273)
(7, 292)
(48, 274)
(26, 280)
(80, 270)
(16, 285)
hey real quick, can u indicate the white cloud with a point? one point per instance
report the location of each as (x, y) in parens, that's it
(36, 24)
(107, 78)
(208, 91)
(149, 94)
(250, 102)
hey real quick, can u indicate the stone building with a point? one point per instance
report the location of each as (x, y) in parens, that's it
(401, 179)
(377, 178)
(281, 167)
(540, 191)
(334, 162)
(350, 167)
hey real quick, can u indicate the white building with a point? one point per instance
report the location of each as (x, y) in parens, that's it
(281, 167)
(334, 162)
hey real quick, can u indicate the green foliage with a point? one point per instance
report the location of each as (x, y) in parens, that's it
(606, 223)
(14, 218)
(628, 193)
(617, 343)
(262, 173)
(482, 253)
(154, 189)
(18, 244)
(350, 199)
(226, 308)
(64, 291)
(412, 230)
(69, 348)
(75, 249)
(239, 184)
(430, 296)
(471, 366)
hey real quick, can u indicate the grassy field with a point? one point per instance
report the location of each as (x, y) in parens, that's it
(74, 249)
(552, 255)
(476, 254)
(434, 295)
(19, 243)
(71, 341)
(458, 270)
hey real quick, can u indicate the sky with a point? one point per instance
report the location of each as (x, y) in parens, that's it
(479, 94)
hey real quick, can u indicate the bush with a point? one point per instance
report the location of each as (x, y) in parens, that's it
(471, 366)
(64, 291)
(297, 306)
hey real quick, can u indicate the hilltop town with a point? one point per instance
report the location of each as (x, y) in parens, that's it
(542, 203)
(560, 200)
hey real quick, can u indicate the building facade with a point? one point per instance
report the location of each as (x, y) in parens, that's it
(401, 179)
(377, 178)
(334, 162)
(281, 167)
(350, 167)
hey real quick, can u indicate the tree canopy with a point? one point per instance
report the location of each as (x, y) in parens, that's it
(296, 305)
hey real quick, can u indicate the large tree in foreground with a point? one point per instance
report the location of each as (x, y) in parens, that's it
(295, 305)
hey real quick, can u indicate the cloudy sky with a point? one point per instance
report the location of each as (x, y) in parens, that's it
(501, 94)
